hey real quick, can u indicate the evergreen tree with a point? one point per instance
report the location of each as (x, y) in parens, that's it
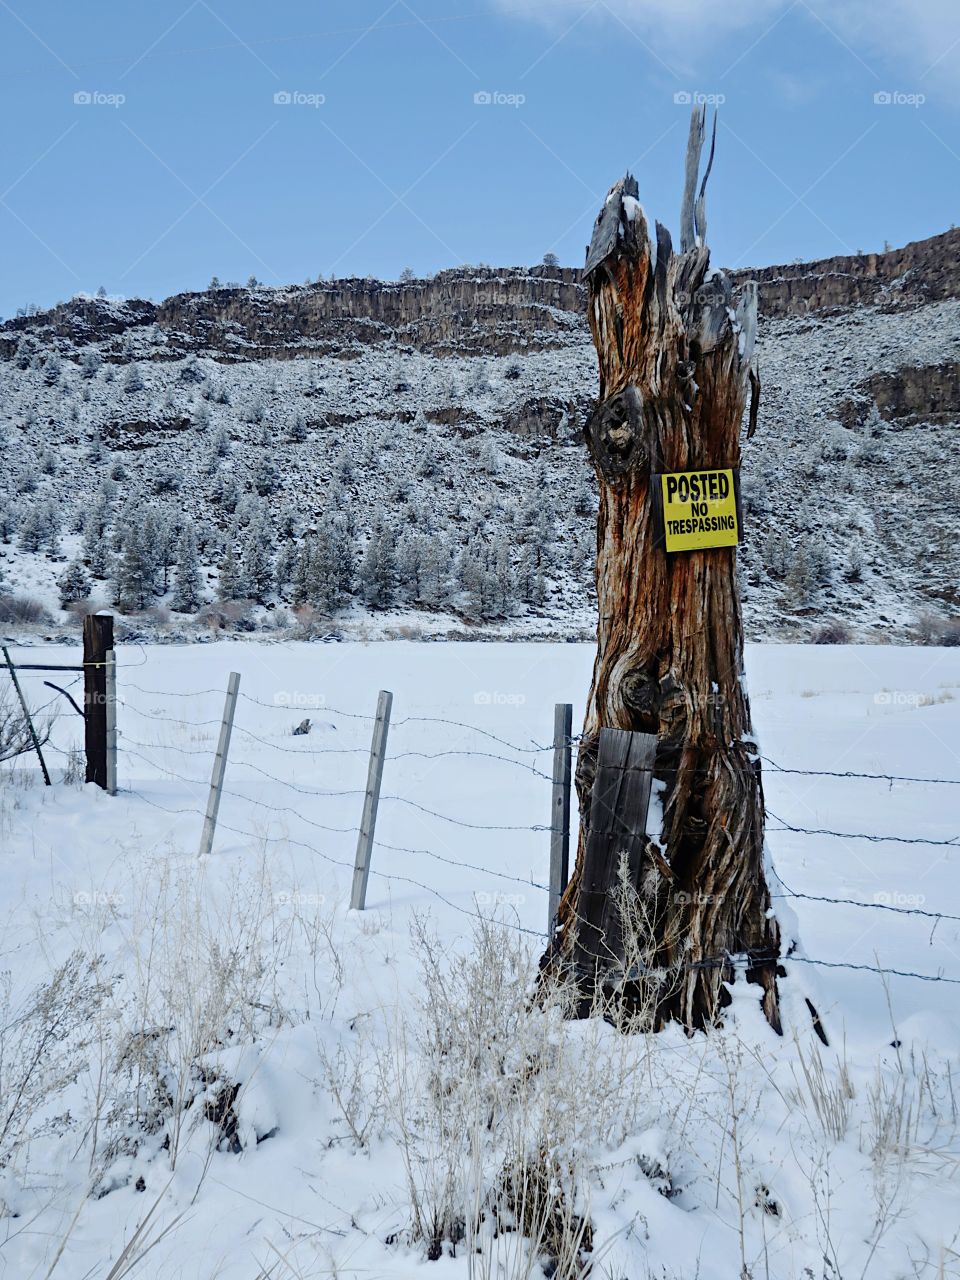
(188, 592)
(52, 369)
(801, 584)
(8, 521)
(95, 537)
(233, 583)
(257, 557)
(265, 475)
(133, 572)
(410, 555)
(303, 576)
(285, 566)
(228, 492)
(133, 379)
(73, 584)
(50, 518)
(32, 528)
(378, 568)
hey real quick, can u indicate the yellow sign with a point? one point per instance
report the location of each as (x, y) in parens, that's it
(700, 509)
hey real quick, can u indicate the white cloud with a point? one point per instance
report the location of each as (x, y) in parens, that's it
(894, 38)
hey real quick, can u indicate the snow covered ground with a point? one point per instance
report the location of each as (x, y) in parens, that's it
(734, 1154)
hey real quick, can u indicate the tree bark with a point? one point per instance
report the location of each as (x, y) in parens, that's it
(674, 349)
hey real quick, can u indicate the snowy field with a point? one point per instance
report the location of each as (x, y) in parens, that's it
(126, 1147)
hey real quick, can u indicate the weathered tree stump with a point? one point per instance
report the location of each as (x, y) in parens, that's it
(675, 349)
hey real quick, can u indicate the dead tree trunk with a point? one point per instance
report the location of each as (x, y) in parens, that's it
(675, 349)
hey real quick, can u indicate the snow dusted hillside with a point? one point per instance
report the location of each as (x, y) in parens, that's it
(213, 1069)
(391, 456)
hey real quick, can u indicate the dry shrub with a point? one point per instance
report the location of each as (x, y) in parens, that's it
(23, 609)
(496, 1098)
(311, 622)
(834, 631)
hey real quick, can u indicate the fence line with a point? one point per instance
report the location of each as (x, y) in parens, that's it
(731, 961)
(570, 741)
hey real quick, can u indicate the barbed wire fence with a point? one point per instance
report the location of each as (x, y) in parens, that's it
(526, 757)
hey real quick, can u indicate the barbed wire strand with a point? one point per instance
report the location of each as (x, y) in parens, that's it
(287, 707)
(856, 902)
(849, 773)
(862, 835)
(455, 862)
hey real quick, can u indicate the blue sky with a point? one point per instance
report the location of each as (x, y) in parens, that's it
(182, 165)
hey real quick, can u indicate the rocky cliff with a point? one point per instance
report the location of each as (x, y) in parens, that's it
(467, 310)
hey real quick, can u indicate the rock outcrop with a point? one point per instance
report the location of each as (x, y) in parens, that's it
(466, 310)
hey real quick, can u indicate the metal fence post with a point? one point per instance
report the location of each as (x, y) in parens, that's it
(111, 705)
(26, 715)
(378, 747)
(560, 810)
(219, 764)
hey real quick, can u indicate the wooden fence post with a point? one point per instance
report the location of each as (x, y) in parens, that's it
(26, 715)
(111, 716)
(619, 802)
(378, 747)
(560, 810)
(219, 765)
(97, 641)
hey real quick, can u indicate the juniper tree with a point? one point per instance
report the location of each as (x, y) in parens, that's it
(188, 591)
(32, 528)
(73, 584)
(227, 492)
(50, 517)
(257, 556)
(489, 457)
(52, 369)
(435, 586)
(134, 569)
(303, 573)
(325, 566)
(411, 552)
(254, 409)
(95, 548)
(26, 350)
(800, 581)
(133, 379)
(378, 568)
(285, 566)
(9, 515)
(855, 563)
(232, 584)
(220, 442)
(265, 476)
